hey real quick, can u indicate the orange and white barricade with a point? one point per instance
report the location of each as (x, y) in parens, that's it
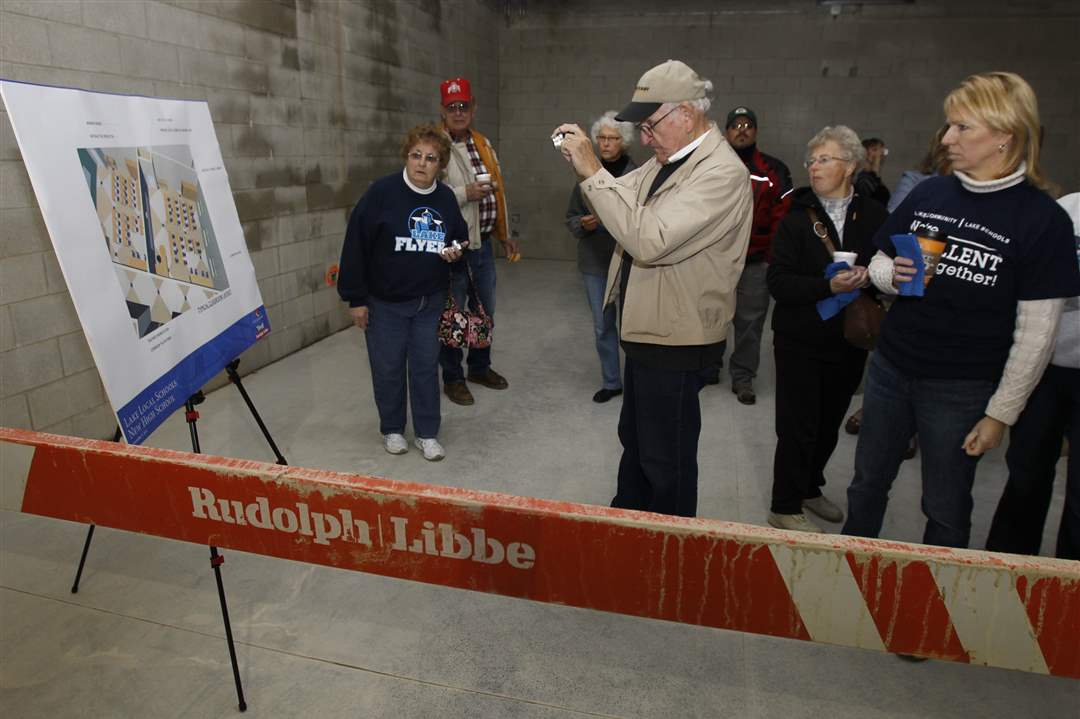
(961, 605)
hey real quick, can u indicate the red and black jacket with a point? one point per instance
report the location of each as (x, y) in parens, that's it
(770, 181)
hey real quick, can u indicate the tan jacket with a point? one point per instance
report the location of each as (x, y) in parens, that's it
(688, 243)
(458, 173)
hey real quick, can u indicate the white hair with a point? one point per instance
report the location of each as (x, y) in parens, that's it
(843, 136)
(625, 129)
(702, 104)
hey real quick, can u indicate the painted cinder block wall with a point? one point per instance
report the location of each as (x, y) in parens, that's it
(882, 69)
(310, 100)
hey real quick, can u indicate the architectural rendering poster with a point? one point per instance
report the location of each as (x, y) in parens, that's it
(137, 203)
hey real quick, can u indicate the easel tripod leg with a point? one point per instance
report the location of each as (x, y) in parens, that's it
(234, 377)
(89, 537)
(216, 560)
(82, 560)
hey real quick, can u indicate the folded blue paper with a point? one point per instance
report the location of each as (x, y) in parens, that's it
(908, 246)
(831, 306)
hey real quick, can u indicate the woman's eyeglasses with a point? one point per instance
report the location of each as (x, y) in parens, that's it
(823, 160)
(416, 156)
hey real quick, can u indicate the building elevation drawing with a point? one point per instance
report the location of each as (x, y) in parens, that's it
(156, 228)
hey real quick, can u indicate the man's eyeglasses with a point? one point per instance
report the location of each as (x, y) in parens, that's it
(741, 126)
(649, 128)
(417, 156)
(823, 160)
(456, 107)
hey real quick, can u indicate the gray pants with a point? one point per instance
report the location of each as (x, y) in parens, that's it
(751, 307)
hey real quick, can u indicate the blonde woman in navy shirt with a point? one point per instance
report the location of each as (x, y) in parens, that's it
(957, 364)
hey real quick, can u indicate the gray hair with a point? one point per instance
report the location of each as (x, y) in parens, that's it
(843, 136)
(625, 129)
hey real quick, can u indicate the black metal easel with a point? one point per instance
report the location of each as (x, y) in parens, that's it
(216, 559)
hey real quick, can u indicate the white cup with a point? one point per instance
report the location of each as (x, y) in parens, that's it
(848, 257)
(483, 177)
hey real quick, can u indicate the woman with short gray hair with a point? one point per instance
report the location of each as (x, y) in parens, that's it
(625, 129)
(595, 247)
(817, 370)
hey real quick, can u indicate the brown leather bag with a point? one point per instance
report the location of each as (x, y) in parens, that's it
(863, 315)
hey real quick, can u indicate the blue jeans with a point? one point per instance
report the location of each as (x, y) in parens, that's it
(403, 337)
(659, 429)
(942, 411)
(604, 328)
(482, 262)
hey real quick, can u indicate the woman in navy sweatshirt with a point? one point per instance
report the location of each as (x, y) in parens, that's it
(394, 274)
(958, 363)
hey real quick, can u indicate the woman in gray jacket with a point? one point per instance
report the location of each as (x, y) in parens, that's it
(595, 246)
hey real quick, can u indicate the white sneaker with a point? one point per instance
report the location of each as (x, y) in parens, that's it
(794, 522)
(395, 443)
(825, 508)
(433, 451)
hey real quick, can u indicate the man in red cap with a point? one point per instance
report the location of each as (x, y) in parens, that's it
(682, 223)
(475, 176)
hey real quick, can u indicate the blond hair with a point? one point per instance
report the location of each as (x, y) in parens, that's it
(1004, 102)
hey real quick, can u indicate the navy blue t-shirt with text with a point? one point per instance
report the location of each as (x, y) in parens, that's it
(1002, 247)
(393, 241)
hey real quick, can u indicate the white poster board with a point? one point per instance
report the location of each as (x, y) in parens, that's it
(135, 197)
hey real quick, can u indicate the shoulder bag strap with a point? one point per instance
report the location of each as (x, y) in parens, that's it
(821, 230)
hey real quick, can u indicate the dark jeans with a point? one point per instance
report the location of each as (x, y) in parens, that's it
(402, 337)
(1034, 449)
(482, 262)
(659, 429)
(811, 398)
(943, 412)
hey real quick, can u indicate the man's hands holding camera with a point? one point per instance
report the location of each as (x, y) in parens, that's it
(577, 148)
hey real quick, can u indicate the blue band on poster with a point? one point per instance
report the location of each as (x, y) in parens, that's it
(145, 413)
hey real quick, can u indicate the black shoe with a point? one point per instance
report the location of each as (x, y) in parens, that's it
(744, 393)
(605, 394)
(489, 378)
(911, 658)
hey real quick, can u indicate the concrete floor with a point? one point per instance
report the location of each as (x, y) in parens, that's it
(143, 638)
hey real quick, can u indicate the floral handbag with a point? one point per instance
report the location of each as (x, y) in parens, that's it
(461, 328)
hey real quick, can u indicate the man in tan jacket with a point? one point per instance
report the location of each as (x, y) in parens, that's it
(682, 223)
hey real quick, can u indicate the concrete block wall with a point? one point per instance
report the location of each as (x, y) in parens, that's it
(310, 99)
(884, 70)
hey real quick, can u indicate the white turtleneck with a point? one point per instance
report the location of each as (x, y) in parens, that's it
(419, 190)
(983, 186)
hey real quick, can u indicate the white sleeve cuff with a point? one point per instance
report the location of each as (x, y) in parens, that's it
(881, 273)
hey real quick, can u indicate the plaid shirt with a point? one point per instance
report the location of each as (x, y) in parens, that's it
(488, 207)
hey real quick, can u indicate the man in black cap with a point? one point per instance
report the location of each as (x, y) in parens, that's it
(770, 181)
(681, 223)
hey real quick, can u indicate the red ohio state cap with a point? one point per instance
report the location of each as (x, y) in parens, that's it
(456, 89)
